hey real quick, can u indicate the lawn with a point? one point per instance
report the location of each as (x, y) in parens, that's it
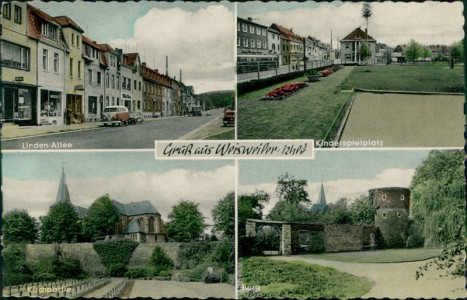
(256, 95)
(436, 77)
(380, 256)
(226, 135)
(295, 279)
(308, 114)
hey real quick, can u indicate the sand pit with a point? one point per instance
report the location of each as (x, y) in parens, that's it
(405, 120)
(170, 289)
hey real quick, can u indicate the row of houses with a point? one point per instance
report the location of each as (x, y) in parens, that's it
(289, 48)
(53, 73)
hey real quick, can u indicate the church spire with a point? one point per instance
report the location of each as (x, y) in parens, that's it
(322, 196)
(63, 195)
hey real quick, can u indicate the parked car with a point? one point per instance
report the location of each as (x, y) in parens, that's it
(229, 117)
(115, 115)
(136, 118)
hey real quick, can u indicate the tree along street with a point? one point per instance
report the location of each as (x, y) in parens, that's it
(124, 137)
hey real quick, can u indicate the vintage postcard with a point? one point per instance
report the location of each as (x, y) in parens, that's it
(145, 154)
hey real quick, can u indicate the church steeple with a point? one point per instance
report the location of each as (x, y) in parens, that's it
(63, 195)
(322, 196)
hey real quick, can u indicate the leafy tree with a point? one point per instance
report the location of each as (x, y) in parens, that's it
(288, 211)
(365, 52)
(361, 211)
(291, 190)
(61, 224)
(19, 227)
(438, 197)
(224, 215)
(425, 52)
(250, 207)
(186, 222)
(160, 261)
(366, 14)
(457, 51)
(413, 51)
(15, 269)
(339, 212)
(100, 219)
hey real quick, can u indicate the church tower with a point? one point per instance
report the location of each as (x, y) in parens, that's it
(63, 195)
(321, 204)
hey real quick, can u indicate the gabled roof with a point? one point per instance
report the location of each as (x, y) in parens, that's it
(129, 59)
(106, 47)
(68, 22)
(400, 48)
(358, 35)
(81, 211)
(135, 208)
(36, 17)
(288, 33)
(90, 42)
(133, 227)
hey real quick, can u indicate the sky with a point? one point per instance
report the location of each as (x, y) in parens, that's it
(198, 38)
(30, 180)
(344, 173)
(391, 23)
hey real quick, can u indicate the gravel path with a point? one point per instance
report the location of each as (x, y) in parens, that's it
(159, 289)
(396, 280)
(402, 120)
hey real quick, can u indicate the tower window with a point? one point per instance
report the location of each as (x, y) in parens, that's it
(384, 215)
(402, 197)
(399, 214)
(383, 197)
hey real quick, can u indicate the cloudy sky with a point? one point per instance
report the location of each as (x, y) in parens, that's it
(198, 38)
(345, 173)
(30, 180)
(391, 23)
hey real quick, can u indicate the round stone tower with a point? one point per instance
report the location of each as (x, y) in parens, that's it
(391, 205)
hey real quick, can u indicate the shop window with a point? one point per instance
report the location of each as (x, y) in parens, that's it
(15, 56)
(51, 103)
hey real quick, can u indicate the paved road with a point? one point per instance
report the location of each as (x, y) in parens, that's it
(396, 280)
(129, 137)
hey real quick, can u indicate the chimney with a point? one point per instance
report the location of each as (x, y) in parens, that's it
(291, 29)
(167, 65)
(144, 64)
(180, 75)
(250, 19)
(157, 70)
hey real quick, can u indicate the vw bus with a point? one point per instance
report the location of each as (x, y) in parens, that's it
(115, 115)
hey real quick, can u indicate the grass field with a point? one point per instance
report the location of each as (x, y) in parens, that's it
(295, 279)
(226, 135)
(308, 114)
(420, 78)
(380, 256)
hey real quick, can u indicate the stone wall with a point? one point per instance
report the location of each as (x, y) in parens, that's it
(84, 252)
(142, 254)
(347, 237)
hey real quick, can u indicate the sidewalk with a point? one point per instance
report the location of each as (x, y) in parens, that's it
(12, 131)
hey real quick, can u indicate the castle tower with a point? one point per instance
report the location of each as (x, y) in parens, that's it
(392, 205)
(63, 195)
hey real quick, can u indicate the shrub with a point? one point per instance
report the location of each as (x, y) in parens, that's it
(223, 255)
(160, 260)
(213, 275)
(117, 269)
(316, 243)
(67, 268)
(114, 254)
(192, 254)
(15, 269)
(136, 273)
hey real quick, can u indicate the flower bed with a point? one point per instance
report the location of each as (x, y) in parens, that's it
(285, 90)
(326, 72)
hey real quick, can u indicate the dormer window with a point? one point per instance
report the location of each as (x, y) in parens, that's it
(49, 31)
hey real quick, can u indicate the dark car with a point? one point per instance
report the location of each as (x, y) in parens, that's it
(136, 118)
(229, 117)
